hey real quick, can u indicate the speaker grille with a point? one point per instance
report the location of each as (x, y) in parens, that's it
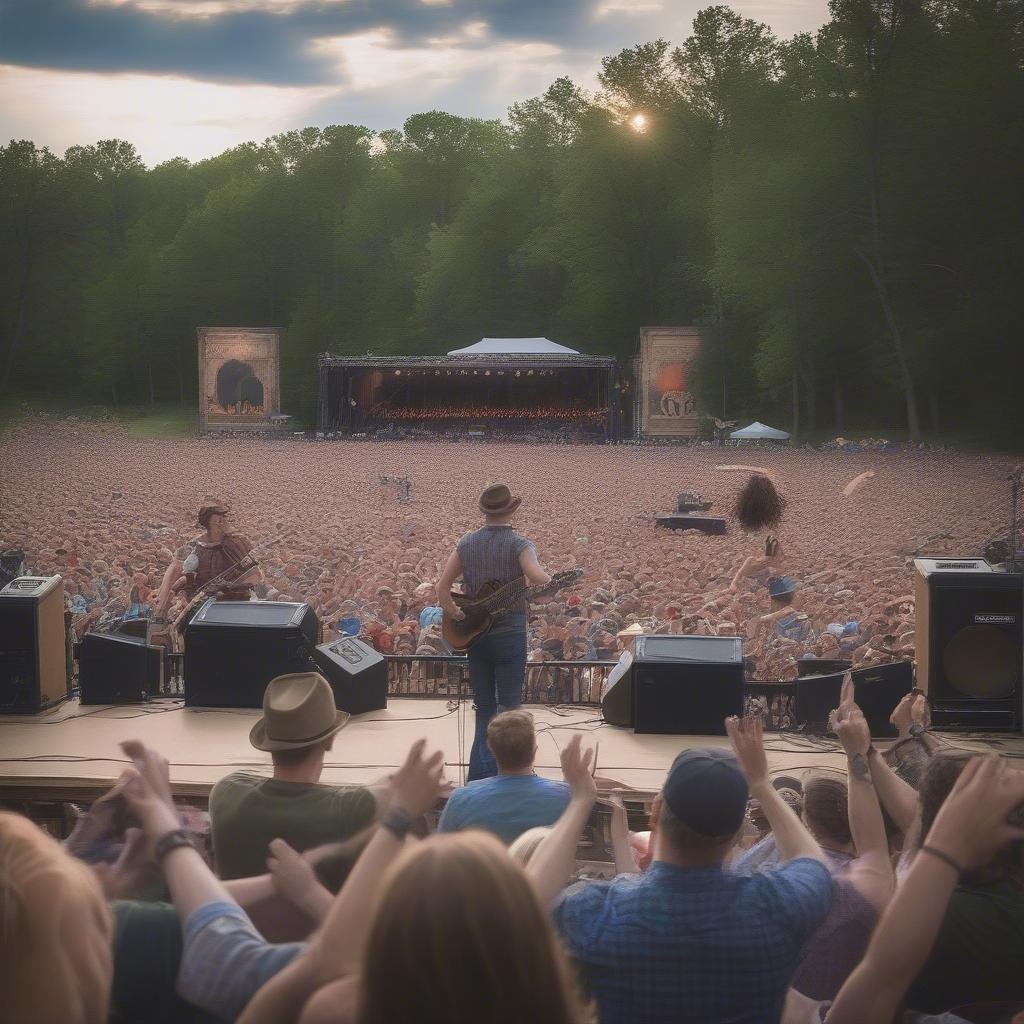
(982, 662)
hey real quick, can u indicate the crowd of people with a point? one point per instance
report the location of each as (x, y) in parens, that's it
(488, 414)
(863, 897)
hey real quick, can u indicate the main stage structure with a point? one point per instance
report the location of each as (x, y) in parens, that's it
(517, 385)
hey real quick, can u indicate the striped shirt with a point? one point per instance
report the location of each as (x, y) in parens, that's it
(492, 553)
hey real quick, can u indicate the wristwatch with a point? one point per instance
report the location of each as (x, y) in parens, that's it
(172, 840)
(397, 821)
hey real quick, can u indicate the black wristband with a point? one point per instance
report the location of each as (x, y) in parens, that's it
(945, 857)
(172, 840)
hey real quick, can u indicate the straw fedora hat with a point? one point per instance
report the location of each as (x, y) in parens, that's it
(298, 711)
(497, 500)
(635, 630)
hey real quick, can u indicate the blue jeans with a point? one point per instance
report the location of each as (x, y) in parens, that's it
(497, 671)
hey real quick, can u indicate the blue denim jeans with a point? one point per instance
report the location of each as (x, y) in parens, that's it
(497, 671)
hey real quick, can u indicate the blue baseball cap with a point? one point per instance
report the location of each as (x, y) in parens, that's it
(706, 791)
(779, 585)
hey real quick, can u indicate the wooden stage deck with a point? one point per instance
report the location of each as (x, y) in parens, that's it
(72, 753)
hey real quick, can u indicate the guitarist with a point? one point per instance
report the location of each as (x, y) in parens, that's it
(497, 659)
(206, 558)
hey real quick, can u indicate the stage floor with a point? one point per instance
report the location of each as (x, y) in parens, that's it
(72, 752)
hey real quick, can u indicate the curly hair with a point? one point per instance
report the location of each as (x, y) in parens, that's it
(759, 504)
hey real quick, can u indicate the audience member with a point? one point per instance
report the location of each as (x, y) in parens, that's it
(55, 931)
(668, 944)
(514, 800)
(248, 810)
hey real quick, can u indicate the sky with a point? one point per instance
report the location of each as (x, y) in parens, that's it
(194, 77)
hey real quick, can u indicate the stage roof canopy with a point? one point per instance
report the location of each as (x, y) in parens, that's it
(516, 346)
(757, 431)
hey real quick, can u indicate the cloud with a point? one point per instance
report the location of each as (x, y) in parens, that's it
(163, 116)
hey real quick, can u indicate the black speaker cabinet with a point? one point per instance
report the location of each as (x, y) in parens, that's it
(687, 684)
(877, 689)
(357, 673)
(33, 654)
(617, 692)
(969, 643)
(134, 627)
(808, 665)
(118, 669)
(234, 648)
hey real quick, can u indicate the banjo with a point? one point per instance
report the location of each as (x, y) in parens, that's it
(493, 597)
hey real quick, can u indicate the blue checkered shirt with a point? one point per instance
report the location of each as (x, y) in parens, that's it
(699, 945)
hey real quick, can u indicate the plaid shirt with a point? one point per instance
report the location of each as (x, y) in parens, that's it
(699, 945)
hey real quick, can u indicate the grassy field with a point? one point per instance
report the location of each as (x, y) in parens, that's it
(161, 420)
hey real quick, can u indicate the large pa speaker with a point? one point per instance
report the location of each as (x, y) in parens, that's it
(357, 673)
(118, 669)
(234, 648)
(877, 689)
(687, 684)
(969, 643)
(33, 654)
(617, 692)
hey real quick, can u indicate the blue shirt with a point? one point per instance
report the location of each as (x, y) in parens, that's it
(507, 805)
(699, 945)
(430, 617)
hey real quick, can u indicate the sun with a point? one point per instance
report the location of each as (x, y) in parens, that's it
(638, 122)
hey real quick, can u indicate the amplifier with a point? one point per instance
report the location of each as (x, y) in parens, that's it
(117, 669)
(357, 673)
(234, 648)
(687, 684)
(877, 689)
(33, 651)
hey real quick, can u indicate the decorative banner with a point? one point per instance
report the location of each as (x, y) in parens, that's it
(239, 377)
(667, 407)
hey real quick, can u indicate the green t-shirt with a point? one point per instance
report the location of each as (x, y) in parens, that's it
(978, 956)
(247, 811)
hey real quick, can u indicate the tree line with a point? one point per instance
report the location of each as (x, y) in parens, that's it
(841, 213)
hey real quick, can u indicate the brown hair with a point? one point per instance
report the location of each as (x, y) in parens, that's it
(512, 740)
(57, 928)
(759, 504)
(937, 781)
(826, 809)
(460, 935)
(296, 755)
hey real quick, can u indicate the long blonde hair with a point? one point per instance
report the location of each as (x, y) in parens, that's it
(55, 931)
(460, 935)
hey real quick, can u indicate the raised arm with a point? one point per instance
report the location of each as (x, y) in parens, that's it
(551, 865)
(970, 828)
(791, 836)
(871, 873)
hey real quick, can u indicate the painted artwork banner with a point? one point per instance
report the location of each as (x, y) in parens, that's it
(666, 361)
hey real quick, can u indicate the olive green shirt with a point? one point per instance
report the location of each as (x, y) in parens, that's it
(248, 810)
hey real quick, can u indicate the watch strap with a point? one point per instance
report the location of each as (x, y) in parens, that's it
(172, 840)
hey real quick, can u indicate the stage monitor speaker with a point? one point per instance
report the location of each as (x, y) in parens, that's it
(118, 669)
(357, 673)
(617, 692)
(969, 643)
(808, 665)
(234, 648)
(33, 653)
(877, 689)
(134, 627)
(687, 684)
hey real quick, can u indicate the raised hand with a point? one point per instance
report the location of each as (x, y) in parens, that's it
(418, 783)
(972, 825)
(850, 725)
(147, 789)
(576, 769)
(747, 737)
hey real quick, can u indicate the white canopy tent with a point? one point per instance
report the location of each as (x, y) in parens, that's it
(757, 431)
(521, 346)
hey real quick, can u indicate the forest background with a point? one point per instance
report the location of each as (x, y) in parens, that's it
(842, 214)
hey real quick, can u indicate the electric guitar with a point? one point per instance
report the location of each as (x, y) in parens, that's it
(481, 608)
